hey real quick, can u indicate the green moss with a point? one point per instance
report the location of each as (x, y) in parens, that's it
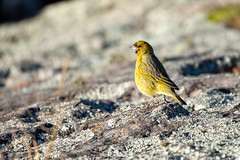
(225, 14)
(164, 143)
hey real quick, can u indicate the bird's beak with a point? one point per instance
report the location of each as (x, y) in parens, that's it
(133, 47)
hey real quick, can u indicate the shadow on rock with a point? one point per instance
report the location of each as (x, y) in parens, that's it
(103, 105)
(30, 116)
(173, 111)
(39, 134)
(188, 57)
(77, 115)
(211, 65)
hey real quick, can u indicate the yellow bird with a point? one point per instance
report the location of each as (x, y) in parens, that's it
(150, 76)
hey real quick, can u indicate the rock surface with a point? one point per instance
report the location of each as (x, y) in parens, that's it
(68, 91)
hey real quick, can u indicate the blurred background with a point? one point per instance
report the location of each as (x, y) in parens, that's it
(16, 10)
(37, 36)
(99, 108)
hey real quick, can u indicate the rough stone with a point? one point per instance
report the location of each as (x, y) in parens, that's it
(98, 113)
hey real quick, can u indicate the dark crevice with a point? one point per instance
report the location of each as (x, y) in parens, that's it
(17, 10)
(223, 64)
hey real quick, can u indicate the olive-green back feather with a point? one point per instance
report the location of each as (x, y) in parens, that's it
(151, 68)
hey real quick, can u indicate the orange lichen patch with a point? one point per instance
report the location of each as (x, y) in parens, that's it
(100, 126)
(135, 126)
(236, 70)
(51, 113)
(18, 84)
(14, 129)
(50, 102)
(132, 122)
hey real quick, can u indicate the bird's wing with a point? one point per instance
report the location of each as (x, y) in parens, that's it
(155, 72)
(169, 82)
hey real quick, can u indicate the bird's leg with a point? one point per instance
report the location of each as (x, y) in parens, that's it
(165, 100)
(148, 104)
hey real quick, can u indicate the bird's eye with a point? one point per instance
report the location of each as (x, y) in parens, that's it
(139, 46)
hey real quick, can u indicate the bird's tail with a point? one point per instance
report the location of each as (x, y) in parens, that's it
(179, 100)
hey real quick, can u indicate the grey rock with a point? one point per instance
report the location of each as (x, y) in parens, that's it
(98, 113)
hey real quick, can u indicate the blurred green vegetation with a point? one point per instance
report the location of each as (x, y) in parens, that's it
(228, 14)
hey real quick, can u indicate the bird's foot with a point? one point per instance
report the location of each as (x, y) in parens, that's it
(166, 101)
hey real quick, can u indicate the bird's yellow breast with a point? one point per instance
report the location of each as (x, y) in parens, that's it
(144, 85)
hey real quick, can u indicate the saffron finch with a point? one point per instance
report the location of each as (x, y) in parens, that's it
(150, 76)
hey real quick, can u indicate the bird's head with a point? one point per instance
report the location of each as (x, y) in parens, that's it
(142, 48)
